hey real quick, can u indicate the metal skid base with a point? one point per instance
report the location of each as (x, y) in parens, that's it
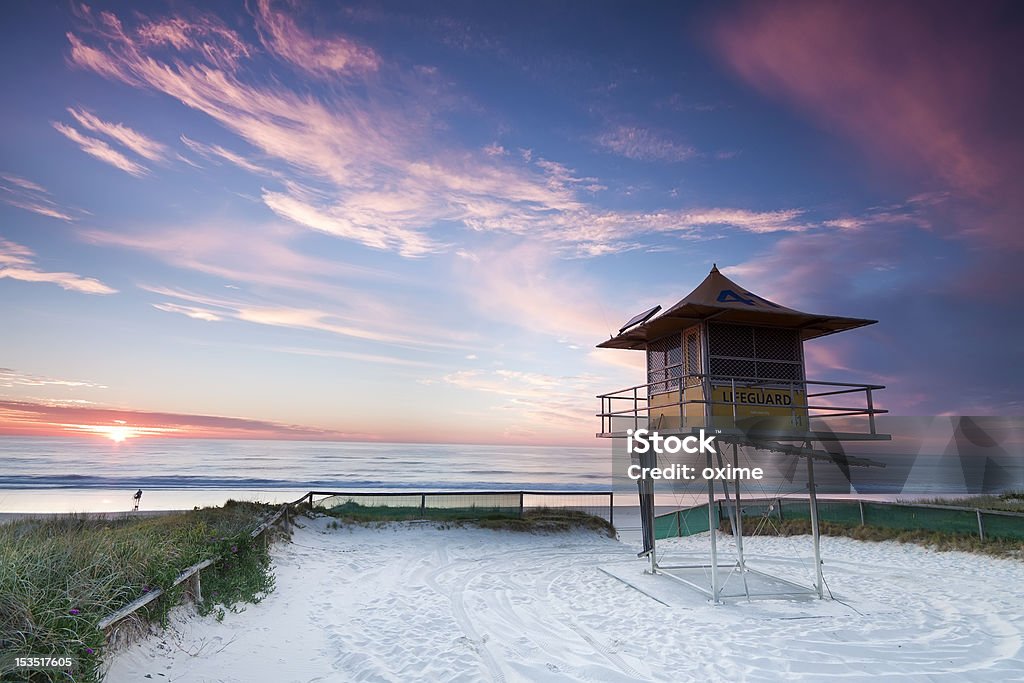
(758, 585)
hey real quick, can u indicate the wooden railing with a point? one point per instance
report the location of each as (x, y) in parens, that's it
(192, 574)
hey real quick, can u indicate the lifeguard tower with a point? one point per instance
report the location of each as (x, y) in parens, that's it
(732, 363)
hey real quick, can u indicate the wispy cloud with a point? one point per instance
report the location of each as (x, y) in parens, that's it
(384, 178)
(261, 255)
(218, 152)
(132, 139)
(643, 144)
(100, 150)
(324, 57)
(10, 378)
(17, 262)
(30, 196)
(361, 319)
(194, 312)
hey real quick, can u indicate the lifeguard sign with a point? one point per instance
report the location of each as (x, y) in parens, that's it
(726, 358)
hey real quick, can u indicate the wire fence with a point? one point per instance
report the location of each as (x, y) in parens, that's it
(986, 524)
(516, 503)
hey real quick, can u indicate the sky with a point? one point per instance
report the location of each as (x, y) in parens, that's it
(406, 221)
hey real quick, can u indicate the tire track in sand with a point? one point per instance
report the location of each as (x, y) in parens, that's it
(455, 597)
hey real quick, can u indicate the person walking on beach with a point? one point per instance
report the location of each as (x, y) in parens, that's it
(137, 498)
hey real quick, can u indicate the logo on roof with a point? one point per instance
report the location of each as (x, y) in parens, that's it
(728, 296)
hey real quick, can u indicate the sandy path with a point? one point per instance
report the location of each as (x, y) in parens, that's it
(414, 602)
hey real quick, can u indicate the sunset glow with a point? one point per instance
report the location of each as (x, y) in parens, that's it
(302, 220)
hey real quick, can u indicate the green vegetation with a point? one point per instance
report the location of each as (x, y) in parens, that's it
(532, 519)
(933, 539)
(59, 577)
(1012, 501)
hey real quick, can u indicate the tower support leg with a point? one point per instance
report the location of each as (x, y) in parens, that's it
(812, 500)
(738, 517)
(713, 528)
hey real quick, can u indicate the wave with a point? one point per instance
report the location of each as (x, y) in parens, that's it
(79, 481)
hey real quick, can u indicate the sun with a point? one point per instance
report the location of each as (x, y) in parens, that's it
(118, 434)
(120, 431)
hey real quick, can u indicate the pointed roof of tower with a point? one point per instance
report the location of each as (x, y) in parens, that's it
(722, 300)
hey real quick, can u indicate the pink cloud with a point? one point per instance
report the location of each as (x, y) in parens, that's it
(914, 85)
(325, 57)
(132, 139)
(205, 35)
(60, 419)
(100, 150)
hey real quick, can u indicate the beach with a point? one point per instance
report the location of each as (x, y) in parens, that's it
(417, 602)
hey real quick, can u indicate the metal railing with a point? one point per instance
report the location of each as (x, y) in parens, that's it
(631, 407)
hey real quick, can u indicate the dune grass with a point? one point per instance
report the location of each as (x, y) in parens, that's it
(60, 576)
(532, 520)
(1012, 501)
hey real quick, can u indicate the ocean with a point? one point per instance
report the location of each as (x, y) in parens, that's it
(93, 474)
(84, 475)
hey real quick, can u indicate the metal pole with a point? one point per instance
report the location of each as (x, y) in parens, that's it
(733, 399)
(871, 410)
(981, 526)
(739, 522)
(819, 580)
(636, 409)
(860, 504)
(713, 528)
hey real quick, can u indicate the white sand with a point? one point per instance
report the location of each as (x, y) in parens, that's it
(406, 603)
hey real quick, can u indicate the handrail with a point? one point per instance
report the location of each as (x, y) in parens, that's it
(677, 399)
(747, 380)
